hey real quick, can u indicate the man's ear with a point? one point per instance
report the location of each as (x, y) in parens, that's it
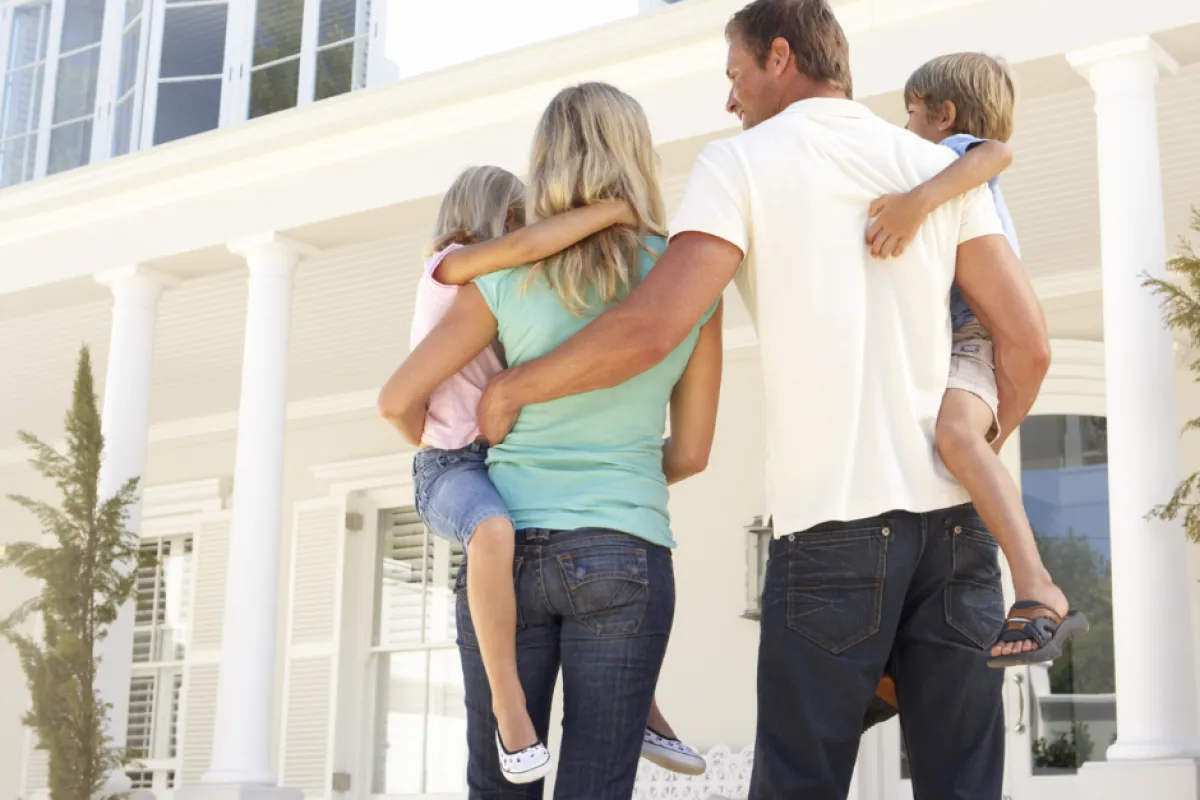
(780, 56)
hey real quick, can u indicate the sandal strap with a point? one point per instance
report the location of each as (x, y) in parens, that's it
(1029, 620)
(1029, 610)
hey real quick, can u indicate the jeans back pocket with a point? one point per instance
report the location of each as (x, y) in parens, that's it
(835, 585)
(608, 587)
(974, 597)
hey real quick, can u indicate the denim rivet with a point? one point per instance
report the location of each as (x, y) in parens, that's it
(886, 531)
(957, 530)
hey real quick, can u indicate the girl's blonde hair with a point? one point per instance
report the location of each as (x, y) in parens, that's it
(475, 208)
(593, 143)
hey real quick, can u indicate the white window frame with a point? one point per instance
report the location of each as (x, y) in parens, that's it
(150, 81)
(165, 672)
(443, 548)
(365, 488)
(309, 48)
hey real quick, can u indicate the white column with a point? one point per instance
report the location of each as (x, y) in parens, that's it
(1156, 680)
(246, 684)
(125, 423)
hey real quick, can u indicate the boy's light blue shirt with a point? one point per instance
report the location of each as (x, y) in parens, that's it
(960, 312)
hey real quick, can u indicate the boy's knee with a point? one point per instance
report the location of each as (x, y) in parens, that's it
(956, 437)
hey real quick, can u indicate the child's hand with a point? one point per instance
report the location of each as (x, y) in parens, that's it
(896, 219)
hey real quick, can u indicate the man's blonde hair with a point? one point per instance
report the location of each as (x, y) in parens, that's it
(593, 143)
(980, 87)
(475, 207)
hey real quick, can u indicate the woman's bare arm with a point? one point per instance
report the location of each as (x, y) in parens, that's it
(462, 334)
(531, 243)
(694, 406)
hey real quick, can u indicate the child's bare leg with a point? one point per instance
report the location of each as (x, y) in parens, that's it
(658, 723)
(962, 429)
(493, 604)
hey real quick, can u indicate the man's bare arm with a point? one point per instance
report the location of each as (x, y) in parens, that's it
(624, 341)
(995, 285)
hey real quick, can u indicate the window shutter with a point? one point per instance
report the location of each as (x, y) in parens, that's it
(314, 607)
(199, 689)
(37, 768)
(414, 564)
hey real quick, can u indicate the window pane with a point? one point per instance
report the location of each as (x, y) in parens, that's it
(30, 34)
(22, 101)
(131, 42)
(274, 88)
(123, 127)
(193, 42)
(174, 604)
(277, 25)
(187, 108)
(337, 21)
(132, 9)
(418, 752)
(336, 69)
(1064, 476)
(83, 21)
(75, 93)
(17, 160)
(70, 146)
(446, 726)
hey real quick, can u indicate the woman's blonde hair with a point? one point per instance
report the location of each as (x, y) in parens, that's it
(475, 207)
(593, 143)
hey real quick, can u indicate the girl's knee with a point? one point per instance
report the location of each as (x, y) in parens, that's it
(493, 532)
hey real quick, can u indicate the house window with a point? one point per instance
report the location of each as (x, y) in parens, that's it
(26, 30)
(306, 50)
(86, 80)
(164, 580)
(420, 720)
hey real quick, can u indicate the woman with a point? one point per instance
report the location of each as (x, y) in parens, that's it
(584, 478)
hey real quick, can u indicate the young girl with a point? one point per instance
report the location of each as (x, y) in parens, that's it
(479, 230)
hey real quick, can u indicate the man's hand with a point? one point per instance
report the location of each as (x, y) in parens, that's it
(896, 220)
(496, 417)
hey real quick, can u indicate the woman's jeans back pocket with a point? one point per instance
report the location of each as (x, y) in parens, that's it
(835, 585)
(608, 587)
(974, 598)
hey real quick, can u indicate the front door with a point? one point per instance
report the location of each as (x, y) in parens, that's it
(1061, 715)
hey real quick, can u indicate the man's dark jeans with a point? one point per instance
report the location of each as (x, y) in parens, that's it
(600, 604)
(918, 594)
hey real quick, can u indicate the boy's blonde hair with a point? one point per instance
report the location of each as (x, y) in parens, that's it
(980, 86)
(475, 208)
(593, 143)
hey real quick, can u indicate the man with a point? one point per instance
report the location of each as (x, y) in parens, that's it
(880, 561)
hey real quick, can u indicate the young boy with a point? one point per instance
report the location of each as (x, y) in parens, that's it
(965, 101)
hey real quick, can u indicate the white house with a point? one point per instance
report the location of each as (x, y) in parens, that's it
(217, 194)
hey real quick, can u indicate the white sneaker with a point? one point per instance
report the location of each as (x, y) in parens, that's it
(671, 754)
(524, 766)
